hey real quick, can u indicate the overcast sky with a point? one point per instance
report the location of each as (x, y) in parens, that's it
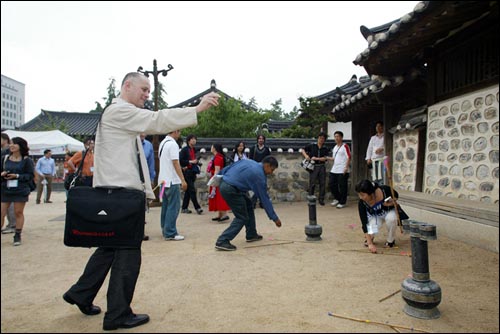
(66, 52)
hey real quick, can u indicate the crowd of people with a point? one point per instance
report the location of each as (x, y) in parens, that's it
(110, 159)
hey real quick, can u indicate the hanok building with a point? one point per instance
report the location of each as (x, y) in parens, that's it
(434, 83)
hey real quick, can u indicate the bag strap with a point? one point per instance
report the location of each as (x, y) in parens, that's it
(141, 174)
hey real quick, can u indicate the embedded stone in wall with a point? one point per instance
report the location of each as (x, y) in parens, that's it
(441, 157)
(444, 182)
(469, 185)
(431, 181)
(466, 105)
(282, 175)
(443, 111)
(408, 178)
(494, 173)
(462, 196)
(402, 143)
(399, 157)
(482, 172)
(494, 141)
(455, 144)
(443, 170)
(480, 144)
(295, 175)
(486, 186)
(466, 144)
(397, 177)
(482, 127)
(290, 197)
(494, 156)
(467, 130)
(478, 102)
(396, 166)
(455, 108)
(472, 198)
(452, 157)
(436, 124)
(432, 146)
(431, 157)
(410, 154)
(475, 115)
(450, 122)
(437, 192)
(404, 167)
(477, 157)
(412, 140)
(432, 135)
(489, 99)
(486, 199)
(433, 114)
(456, 184)
(465, 157)
(490, 113)
(300, 185)
(455, 170)
(468, 172)
(462, 118)
(444, 146)
(441, 133)
(281, 186)
(494, 128)
(432, 169)
(453, 133)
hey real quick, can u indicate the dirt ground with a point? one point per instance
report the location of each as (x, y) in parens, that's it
(280, 284)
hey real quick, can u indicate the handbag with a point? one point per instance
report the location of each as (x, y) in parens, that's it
(402, 215)
(105, 217)
(75, 179)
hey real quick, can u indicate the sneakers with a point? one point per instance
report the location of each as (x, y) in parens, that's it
(8, 230)
(225, 246)
(256, 238)
(340, 206)
(199, 211)
(178, 237)
(17, 239)
(186, 211)
(334, 203)
(390, 244)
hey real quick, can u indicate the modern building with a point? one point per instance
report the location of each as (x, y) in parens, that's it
(13, 102)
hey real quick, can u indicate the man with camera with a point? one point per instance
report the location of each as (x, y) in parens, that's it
(317, 153)
(190, 165)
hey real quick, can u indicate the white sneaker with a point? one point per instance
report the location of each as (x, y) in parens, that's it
(335, 202)
(340, 206)
(178, 237)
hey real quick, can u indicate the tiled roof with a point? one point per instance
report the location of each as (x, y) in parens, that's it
(195, 100)
(365, 90)
(278, 126)
(411, 119)
(76, 123)
(398, 45)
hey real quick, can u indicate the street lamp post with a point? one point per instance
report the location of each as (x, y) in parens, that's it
(155, 74)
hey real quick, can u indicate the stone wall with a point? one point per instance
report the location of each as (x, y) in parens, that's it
(462, 158)
(405, 148)
(289, 183)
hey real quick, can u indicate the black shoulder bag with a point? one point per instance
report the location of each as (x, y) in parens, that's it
(105, 217)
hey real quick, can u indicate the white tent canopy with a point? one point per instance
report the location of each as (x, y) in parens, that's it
(56, 141)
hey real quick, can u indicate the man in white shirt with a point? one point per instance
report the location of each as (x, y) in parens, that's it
(339, 174)
(375, 154)
(170, 177)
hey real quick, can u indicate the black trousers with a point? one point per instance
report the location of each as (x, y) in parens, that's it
(319, 173)
(125, 265)
(190, 193)
(338, 186)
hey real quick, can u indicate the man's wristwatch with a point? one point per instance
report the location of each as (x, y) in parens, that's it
(17, 176)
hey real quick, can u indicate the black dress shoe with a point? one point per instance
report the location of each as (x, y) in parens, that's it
(131, 321)
(85, 309)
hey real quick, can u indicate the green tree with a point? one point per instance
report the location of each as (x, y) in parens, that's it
(162, 104)
(310, 122)
(230, 119)
(112, 93)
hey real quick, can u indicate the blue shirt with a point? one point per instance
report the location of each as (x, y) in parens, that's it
(150, 157)
(46, 166)
(248, 175)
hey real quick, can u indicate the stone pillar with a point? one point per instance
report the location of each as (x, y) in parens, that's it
(313, 230)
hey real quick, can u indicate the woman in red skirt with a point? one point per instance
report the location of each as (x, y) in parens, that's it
(215, 200)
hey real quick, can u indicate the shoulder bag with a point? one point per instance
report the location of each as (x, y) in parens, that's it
(105, 217)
